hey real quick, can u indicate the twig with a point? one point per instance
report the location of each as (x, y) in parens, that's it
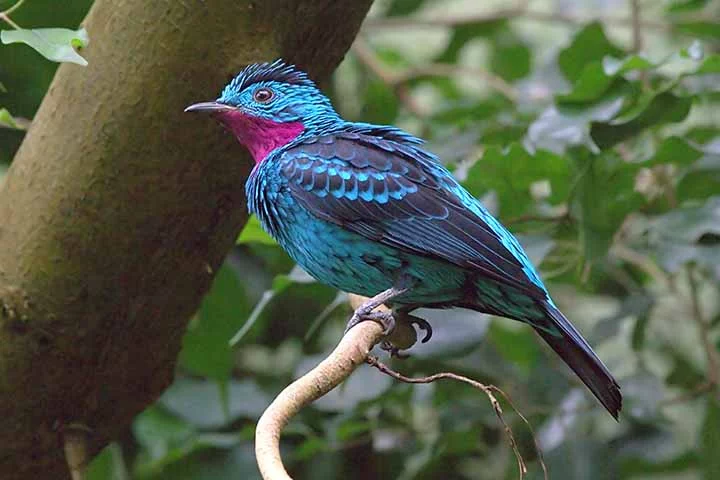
(489, 391)
(5, 14)
(449, 70)
(347, 356)
(695, 392)
(365, 55)
(713, 359)
(398, 81)
(637, 40)
(637, 37)
(75, 438)
(643, 262)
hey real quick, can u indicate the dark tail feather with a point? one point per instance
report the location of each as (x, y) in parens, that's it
(576, 352)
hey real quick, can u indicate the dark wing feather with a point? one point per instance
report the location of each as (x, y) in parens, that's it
(396, 194)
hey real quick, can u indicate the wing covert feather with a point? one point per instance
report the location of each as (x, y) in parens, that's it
(398, 195)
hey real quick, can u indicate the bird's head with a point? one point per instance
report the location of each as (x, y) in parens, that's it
(268, 105)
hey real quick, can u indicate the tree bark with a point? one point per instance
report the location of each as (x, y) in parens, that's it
(118, 208)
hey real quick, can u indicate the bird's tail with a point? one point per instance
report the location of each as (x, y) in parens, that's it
(575, 351)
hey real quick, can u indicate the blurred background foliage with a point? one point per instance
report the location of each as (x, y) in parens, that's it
(592, 129)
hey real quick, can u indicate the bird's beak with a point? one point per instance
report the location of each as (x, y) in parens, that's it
(209, 107)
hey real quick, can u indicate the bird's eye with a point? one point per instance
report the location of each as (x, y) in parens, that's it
(263, 95)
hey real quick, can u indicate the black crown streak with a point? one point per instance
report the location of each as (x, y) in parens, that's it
(277, 71)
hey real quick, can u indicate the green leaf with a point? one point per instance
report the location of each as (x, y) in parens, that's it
(511, 174)
(403, 7)
(688, 234)
(682, 6)
(656, 109)
(599, 78)
(511, 57)
(208, 464)
(464, 33)
(702, 179)
(710, 30)
(7, 120)
(108, 465)
(158, 431)
(200, 402)
(590, 85)
(710, 64)
(224, 310)
(254, 233)
(563, 126)
(56, 44)
(615, 66)
(381, 104)
(690, 224)
(517, 344)
(675, 150)
(604, 195)
(589, 45)
(710, 440)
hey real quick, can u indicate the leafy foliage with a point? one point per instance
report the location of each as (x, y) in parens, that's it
(606, 163)
(57, 44)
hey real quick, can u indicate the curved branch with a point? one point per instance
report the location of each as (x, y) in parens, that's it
(353, 350)
(350, 353)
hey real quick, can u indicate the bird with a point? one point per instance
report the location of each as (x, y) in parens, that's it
(368, 210)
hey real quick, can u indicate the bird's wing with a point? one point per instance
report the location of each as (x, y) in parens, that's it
(397, 195)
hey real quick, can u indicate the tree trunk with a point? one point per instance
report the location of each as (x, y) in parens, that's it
(119, 207)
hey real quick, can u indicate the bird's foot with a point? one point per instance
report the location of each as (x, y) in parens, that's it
(394, 351)
(405, 335)
(385, 318)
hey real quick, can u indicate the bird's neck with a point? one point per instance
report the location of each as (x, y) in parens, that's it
(261, 136)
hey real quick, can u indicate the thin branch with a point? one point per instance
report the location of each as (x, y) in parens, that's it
(5, 14)
(398, 81)
(449, 70)
(713, 358)
(10, 10)
(695, 392)
(643, 262)
(489, 390)
(75, 445)
(637, 40)
(353, 350)
(347, 356)
(367, 57)
(637, 37)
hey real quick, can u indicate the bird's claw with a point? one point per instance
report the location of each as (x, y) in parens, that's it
(394, 351)
(387, 320)
(423, 325)
(384, 318)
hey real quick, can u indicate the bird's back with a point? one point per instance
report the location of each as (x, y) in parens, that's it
(362, 206)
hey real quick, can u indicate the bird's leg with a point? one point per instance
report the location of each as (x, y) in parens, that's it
(385, 318)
